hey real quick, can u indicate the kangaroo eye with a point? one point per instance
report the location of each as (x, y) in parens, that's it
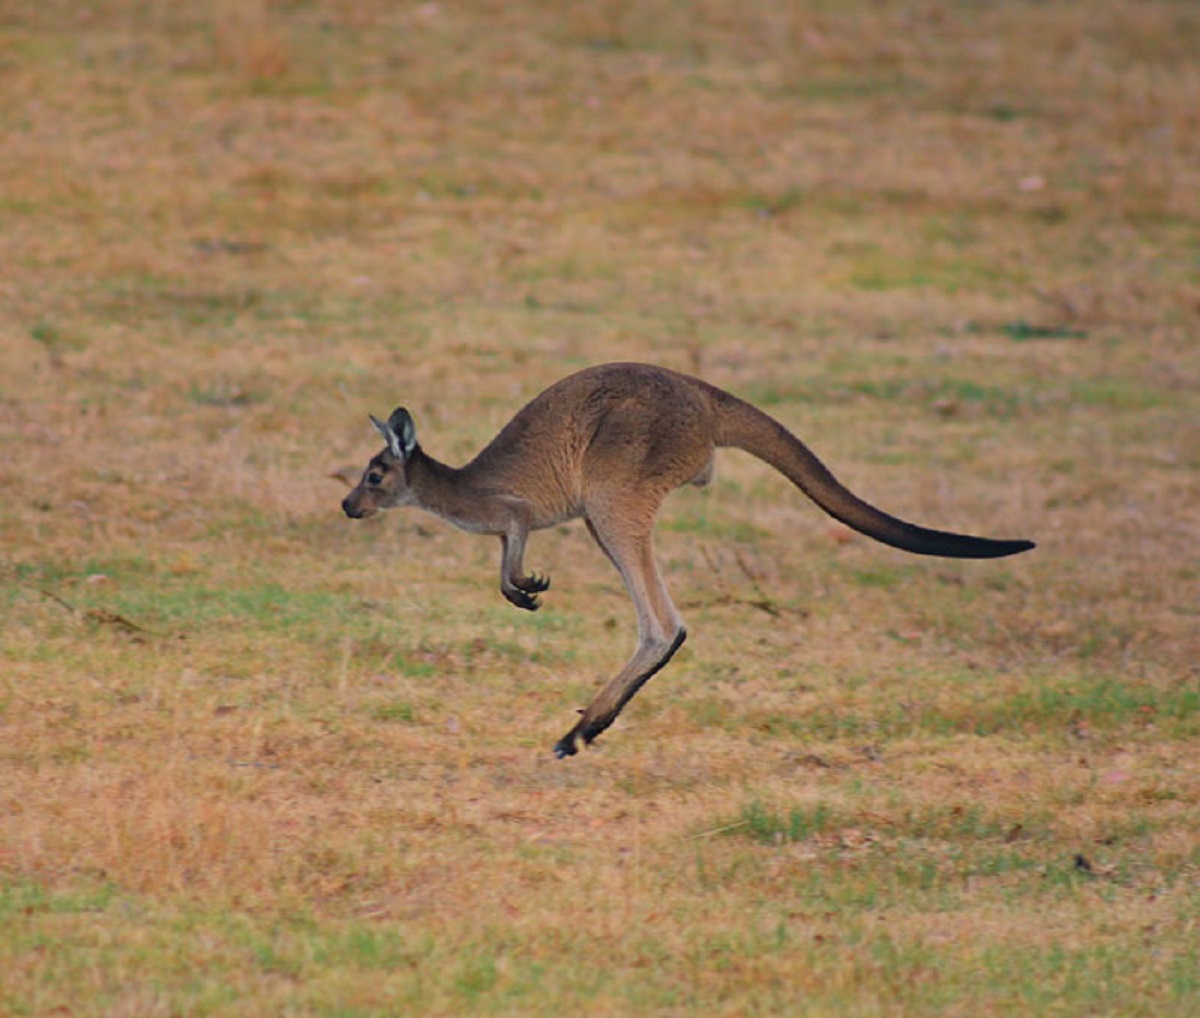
(374, 479)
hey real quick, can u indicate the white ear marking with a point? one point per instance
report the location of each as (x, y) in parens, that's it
(389, 436)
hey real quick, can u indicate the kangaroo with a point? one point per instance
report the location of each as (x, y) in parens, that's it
(607, 445)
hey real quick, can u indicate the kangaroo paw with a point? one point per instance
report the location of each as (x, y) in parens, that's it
(521, 599)
(533, 583)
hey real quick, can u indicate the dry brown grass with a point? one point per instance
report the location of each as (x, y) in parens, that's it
(257, 759)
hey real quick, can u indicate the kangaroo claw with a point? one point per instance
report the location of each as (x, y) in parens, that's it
(533, 583)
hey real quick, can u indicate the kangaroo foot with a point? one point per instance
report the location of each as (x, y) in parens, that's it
(565, 746)
(603, 710)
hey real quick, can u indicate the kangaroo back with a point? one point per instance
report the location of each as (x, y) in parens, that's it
(742, 426)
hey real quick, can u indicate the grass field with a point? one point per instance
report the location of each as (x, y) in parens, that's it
(258, 759)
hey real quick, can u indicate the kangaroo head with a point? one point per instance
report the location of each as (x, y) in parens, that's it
(384, 484)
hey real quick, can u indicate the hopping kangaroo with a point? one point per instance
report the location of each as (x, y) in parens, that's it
(608, 444)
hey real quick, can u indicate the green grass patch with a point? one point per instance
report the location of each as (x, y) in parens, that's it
(1113, 393)
(394, 711)
(1044, 705)
(882, 273)
(946, 395)
(1021, 330)
(771, 827)
(698, 520)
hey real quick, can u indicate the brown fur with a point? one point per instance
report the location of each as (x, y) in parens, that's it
(606, 445)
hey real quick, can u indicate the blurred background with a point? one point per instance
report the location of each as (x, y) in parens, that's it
(955, 246)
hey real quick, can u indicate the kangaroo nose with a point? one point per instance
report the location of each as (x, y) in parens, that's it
(353, 512)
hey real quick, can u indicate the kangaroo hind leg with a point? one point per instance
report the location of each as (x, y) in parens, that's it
(660, 629)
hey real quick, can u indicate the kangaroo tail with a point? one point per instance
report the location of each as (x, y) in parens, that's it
(745, 427)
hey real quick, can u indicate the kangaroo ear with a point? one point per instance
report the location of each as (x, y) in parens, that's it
(403, 428)
(399, 433)
(389, 436)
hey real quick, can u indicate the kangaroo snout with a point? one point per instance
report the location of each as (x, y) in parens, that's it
(353, 511)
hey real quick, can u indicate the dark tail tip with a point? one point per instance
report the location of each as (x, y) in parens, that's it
(921, 541)
(981, 547)
(1016, 547)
